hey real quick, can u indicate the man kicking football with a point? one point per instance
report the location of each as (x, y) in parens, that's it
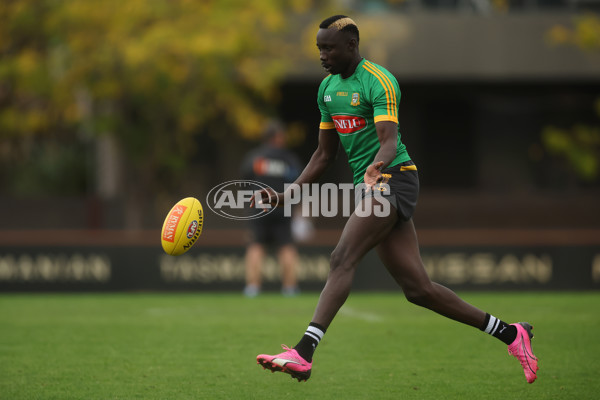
(359, 109)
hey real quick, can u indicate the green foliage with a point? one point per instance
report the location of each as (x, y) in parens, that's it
(584, 34)
(59, 169)
(579, 144)
(154, 73)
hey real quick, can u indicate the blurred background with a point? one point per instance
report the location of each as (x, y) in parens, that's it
(112, 111)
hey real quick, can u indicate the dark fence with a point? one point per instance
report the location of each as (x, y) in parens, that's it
(134, 261)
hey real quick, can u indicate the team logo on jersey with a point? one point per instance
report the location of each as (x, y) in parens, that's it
(355, 99)
(327, 98)
(349, 124)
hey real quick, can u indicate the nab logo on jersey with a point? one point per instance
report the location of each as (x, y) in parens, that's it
(349, 124)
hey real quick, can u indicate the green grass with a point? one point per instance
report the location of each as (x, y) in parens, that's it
(203, 346)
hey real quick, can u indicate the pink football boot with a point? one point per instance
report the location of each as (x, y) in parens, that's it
(289, 362)
(521, 349)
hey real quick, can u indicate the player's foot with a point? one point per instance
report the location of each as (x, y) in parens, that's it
(251, 291)
(521, 349)
(289, 362)
(290, 291)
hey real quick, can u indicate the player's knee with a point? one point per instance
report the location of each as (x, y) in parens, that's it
(335, 259)
(339, 260)
(419, 295)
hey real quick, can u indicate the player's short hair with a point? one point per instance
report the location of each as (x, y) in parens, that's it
(341, 23)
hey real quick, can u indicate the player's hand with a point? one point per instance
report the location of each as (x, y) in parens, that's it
(373, 175)
(266, 196)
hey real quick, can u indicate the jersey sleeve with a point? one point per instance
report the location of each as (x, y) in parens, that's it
(326, 120)
(385, 94)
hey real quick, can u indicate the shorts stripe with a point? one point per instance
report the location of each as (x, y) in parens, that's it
(408, 168)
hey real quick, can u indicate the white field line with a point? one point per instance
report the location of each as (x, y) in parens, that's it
(362, 315)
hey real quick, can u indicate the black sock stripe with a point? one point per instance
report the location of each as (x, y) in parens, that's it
(313, 336)
(495, 327)
(486, 321)
(318, 326)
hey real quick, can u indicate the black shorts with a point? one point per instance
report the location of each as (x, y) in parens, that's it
(271, 231)
(403, 183)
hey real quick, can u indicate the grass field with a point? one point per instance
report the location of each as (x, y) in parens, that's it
(203, 346)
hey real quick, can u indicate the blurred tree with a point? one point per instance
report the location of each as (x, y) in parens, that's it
(579, 145)
(153, 76)
(585, 33)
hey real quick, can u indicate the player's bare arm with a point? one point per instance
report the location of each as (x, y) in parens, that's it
(387, 133)
(322, 157)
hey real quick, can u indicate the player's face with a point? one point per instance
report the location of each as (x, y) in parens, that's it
(335, 50)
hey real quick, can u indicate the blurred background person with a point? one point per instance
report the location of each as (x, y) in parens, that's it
(274, 165)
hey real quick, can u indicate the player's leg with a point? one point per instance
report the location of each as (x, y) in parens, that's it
(399, 251)
(288, 260)
(360, 235)
(255, 254)
(287, 256)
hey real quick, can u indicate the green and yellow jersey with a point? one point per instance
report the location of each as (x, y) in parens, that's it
(353, 105)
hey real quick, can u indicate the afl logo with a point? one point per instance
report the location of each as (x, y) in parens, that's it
(192, 229)
(349, 124)
(232, 200)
